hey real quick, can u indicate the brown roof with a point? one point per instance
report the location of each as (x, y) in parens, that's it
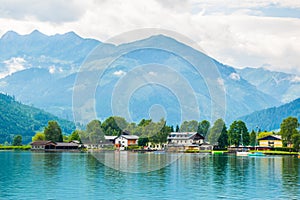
(64, 144)
(41, 142)
(57, 144)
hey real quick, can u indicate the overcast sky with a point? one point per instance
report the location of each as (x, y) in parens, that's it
(251, 33)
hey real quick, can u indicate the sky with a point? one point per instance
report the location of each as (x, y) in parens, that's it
(247, 33)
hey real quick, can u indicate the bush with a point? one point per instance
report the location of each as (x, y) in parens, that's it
(287, 149)
(133, 147)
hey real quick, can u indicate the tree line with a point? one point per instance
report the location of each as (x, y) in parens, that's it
(157, 132)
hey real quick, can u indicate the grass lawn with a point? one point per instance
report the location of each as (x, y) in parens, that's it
(25, 147)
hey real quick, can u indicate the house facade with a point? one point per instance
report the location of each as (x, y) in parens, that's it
(270, 141)
(126, 140)
(185, 140)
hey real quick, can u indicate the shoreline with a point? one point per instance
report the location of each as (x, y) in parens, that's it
(28, 148)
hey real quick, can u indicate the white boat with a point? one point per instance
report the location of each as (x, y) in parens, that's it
(242, 153)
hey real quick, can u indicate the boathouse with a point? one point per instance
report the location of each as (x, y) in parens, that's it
(50, 145)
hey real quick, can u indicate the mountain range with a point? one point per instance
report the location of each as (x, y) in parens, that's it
(41, 70)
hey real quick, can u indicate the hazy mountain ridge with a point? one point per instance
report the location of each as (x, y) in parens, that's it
(282, 86)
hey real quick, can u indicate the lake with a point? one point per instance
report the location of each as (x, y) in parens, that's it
(127, 175)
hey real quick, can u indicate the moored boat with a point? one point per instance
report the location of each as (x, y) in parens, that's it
(242, 153)
(256, 154)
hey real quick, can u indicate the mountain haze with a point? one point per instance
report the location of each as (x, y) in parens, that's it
(282, 86)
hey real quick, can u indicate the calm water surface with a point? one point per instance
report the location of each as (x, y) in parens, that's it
(29, 175)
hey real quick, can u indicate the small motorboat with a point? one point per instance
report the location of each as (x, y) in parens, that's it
(242, 153)
(257, 154)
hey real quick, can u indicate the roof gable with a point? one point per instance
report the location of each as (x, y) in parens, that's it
(185, 135)
(271, 137)
(42, 142)
(129, 137)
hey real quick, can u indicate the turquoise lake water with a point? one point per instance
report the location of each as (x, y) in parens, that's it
(31, 175)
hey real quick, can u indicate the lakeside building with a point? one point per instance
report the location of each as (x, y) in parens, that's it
(271, 141)
(125, 140)
(182, 141)
(54, 146)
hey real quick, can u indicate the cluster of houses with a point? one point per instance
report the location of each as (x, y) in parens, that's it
(176, 141)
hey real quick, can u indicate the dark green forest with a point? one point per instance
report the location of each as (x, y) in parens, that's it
(19, 119)
(271, 118)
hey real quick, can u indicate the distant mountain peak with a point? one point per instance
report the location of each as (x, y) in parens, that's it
(36, 32)
(9, 35)
(72, 34)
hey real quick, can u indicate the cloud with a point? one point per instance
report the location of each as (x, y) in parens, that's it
(12, 65)
(119, 73)
(53, 11)
(237, 33)
(295, 79)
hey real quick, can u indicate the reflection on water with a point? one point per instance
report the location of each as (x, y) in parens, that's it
(290, 176)
(26, 175)
(136, 162)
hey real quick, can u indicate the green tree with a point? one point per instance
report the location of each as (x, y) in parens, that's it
(114, 125)
(94, 132)
(236, 130)
(215, 131)
(143, 141)
(253, 138)
(65, 138)
(17, 140)
(53, 132)
(203, 128)
(160, 132)
(223, 139)
(177, 128)
(189, 126)
(288, 127)
(75, 136)
(296, 141)
(38, 137)
(145, 122)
